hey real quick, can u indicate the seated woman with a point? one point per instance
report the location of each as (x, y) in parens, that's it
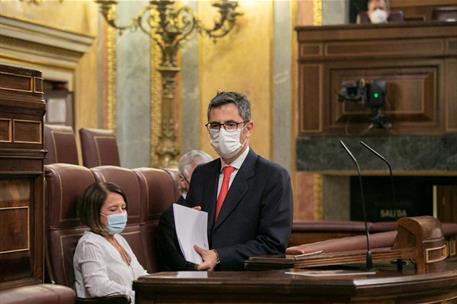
(104, 264)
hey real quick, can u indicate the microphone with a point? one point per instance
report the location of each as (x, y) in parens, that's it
(369, 258)
(377, 154)
(399, 262)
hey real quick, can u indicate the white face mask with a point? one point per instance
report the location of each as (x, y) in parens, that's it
(226, 144)
(378, 16)
(116, 222)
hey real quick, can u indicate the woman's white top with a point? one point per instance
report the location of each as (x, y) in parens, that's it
(100, 269)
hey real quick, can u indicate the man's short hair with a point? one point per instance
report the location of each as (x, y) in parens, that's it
(387, 2)
(239, 100)
(192, 159)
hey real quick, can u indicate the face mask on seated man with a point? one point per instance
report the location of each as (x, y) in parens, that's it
(378, 16)
(378, 11)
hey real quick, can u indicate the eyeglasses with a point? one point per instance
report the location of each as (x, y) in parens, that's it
(228, 125)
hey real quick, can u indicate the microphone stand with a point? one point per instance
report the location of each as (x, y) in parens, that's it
(369, 258)
(388, 165)
(399, 262)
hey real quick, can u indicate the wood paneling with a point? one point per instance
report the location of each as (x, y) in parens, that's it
(21, 177)
(385, 48)
(447, 203)
(417, 60)
(5, 130)
(411, 98)
(27, 131)
(15, 193)
(310, 92)
(14, 229)
(419, 10)
(451, 95)
(16, 82)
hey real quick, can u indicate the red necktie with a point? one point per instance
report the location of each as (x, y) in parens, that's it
(224, 188)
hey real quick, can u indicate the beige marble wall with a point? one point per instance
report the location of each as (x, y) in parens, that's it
(307, 186)
(241, 61)
(73, 16)
(79, 17)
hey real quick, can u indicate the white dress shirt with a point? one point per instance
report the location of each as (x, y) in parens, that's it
(235, 164)
(101, 271)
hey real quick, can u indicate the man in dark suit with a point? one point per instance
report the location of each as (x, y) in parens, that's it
(248, 198)
(249, 207)
(169, 255)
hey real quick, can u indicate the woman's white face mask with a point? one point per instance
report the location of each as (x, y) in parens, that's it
(226, 144)
(378, 16)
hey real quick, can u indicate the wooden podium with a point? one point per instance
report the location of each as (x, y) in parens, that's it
(432, 279)
(386, 286)
(419, 239)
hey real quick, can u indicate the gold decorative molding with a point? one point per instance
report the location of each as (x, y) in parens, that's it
(317, 178)
(66, 43)
(36, 2)
(111, 39)
(155, 103)
(317, 197)
(317, 12)
(294, 104)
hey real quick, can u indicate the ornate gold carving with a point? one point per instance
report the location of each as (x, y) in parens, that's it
(317, 12)
(112, 76)
(168, 26)
(317, 191)
(155, 99)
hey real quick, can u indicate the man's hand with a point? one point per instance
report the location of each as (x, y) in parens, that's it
(209, 257)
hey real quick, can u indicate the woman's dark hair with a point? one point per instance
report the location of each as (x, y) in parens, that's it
(91, 202)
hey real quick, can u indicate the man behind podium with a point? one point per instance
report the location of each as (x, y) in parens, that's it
(248, 198)
(378, 11)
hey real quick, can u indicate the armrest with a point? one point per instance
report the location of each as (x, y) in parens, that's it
(38, 294)
(118, 299)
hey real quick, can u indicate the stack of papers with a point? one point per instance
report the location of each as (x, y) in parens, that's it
(191, 229)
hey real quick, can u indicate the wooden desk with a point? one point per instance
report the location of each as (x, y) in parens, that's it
(386, 286)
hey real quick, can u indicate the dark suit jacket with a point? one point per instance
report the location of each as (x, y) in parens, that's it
(256, 217)
(169, 255)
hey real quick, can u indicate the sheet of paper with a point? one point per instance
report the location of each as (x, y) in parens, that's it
(192, 274)
(330, 273)
(191, 229)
